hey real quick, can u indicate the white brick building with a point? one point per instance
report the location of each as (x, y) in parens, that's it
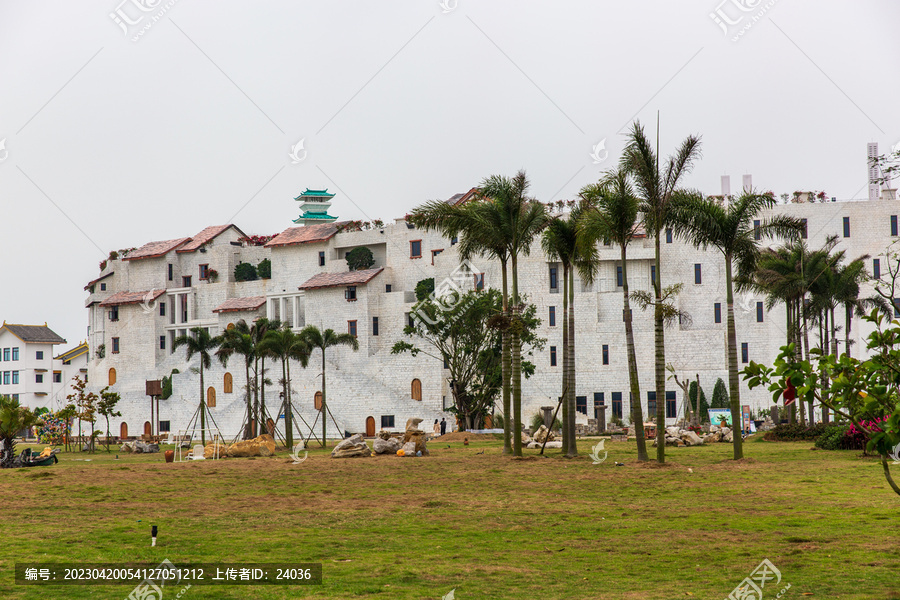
(143, 300)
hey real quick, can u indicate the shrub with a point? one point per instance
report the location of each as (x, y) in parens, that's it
(424, 288)
(787, 432)
(359, 259)
(264, 269)
(720, 395)
(833, 437)
(704, 405)
(245, 272)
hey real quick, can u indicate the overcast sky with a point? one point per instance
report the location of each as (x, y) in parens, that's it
(185, 113)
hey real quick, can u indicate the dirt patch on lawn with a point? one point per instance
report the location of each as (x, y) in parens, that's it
(459, 436)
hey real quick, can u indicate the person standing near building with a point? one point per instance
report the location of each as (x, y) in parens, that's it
(436, 428)
(443, 426)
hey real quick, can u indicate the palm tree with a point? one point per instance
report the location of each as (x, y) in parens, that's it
(658, 191)
(613, 217)
(847, 290)
(323, 340)
(201, 344)
(285, 344)
(731, 230)
(239, 340)
(258, 332)
(520, 220)
(13, 419)
(475, 225)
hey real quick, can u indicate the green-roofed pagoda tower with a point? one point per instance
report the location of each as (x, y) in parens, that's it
(314, 204)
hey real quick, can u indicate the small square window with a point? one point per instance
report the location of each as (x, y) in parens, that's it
(57, 377)
(39, 355)
(387, 421)
(350, 293)
(164, 426)
(581, 404)
(387, 288)
(186, 281)
(103, 287)
(39, 378)
(415, 249)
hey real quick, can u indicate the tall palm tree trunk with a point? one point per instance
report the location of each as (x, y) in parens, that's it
(250, 416)
(637, 413)
(324, 408)
(566, 383)
(733, 380)
(505, 366)
(572, 450)
(660, 366)
(516, 357)
(202, 406)
(262, 391)
(288, 413)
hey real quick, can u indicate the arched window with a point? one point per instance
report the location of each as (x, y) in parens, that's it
(123, 430)
(416, 391)
(227, 385)
(230, 326)
(112, 376)
(211, 397)
(318, 400)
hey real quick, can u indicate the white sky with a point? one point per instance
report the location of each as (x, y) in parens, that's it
(113, 143)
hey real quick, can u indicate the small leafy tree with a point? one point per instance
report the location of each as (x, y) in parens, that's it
(264, 269)
(85, 404)
(704, 405)
(245, 272)
(720, 395)
(424, 289)
(66, 415)
(107, 408)
(359, 259)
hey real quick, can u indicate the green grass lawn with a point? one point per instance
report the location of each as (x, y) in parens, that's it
(487, 525)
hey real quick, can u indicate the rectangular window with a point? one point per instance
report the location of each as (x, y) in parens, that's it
(805, 229)
(186, 281)
(171, 274)
(454, 240)
(651, 404)
(204, 271)
(321, 258)
(846, 226)
(652, 274)
(15, 377)
(671, 406)
(415, 249)
(552, 316)
(57, 377)
(435, 253)
(165, 427)
(39, 378)
(717, 312)
(15, 353)
(171, 342)
(350, 293)
(598, 402)
(39, 355)
(387, 421)
(759, 312)
(894, 225)
(409, 320)
(6, 354)
(605, 354)
(876, 268)
(617, 404)
(162, 342)
(745, 352)
(479, 281)
(374, 325)
(896, 308)
(162, 307)
(757, 235)
(115, 345)
(619, 276)
(114, 313)
(552, 356)
(351, 328)
(102, 287)
(554, 278)
(698, 276)
(581, 404)
(5, 377)
(387, 288)
(668, 235)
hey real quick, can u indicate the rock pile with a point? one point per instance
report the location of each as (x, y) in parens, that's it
(388, 445)
(352, 447)
(263, 445)
(414, 436)
(542, 434)
(139, 447)
(676, 436)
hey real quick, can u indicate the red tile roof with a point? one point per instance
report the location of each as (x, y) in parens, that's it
(457, 199)
(239, 304)
(156, 249)
(326, 280)
(90, 283)
(305, 235)
(132, 297)
(205, 236)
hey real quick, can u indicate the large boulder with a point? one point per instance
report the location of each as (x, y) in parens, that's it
(712, 438)
(542, 434)
(409, 449)
(691, 439)
(352, 447)
(557, 444)
(145, 448)
(384, 435)
(263, 445)
(386, 446)
(672, 432)
(418, 438)
(728, 437)
(211, 448)
(413, 424)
